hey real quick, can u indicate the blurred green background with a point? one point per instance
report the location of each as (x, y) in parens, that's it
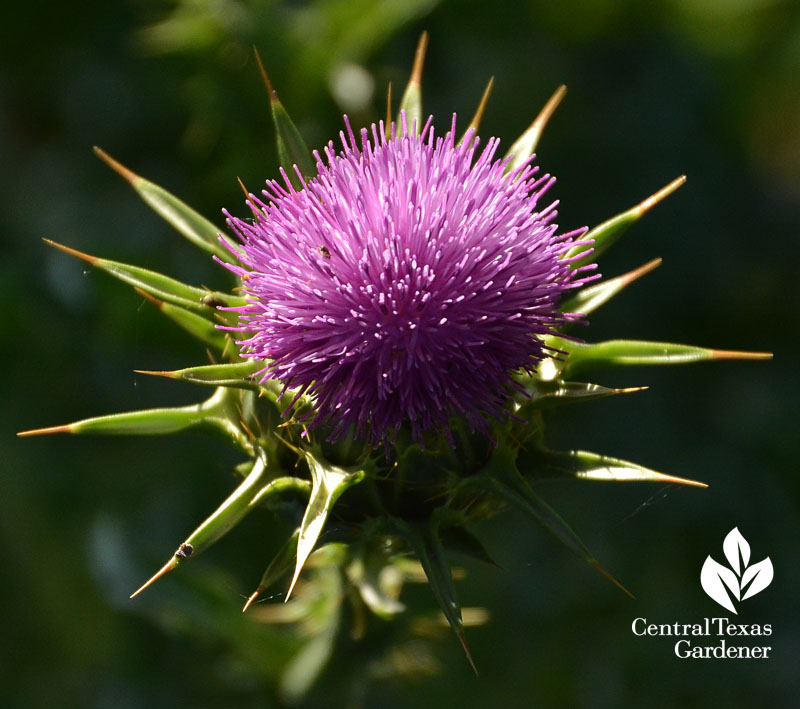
(710, 88)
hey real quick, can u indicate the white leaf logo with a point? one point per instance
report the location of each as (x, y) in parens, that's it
(741, 580)
(714, 577)
(759, 576)
(736, 547)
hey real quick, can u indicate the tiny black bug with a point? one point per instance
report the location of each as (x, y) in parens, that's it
(184, 551)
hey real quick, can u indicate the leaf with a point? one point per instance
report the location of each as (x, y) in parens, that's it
(156, 284)
(462, 541)
(607, 233)
(583, 358)
(714, 578)
(328, 482)
(736, 547)
(233, 374)
(144, 422)
(589, 299)
(292, 149)
(411, 102)
(196, 325)
(304, 668)
(280, 565)
(377, 580)
(195, 227)
(593, 466)
(502, 479)
(524, 147)
(424, 539)
(759, 576)
(387, 125)
(549, 393)
(220, 522)
(475, 123)
(235, 507)
(219, 412)
(282, 484)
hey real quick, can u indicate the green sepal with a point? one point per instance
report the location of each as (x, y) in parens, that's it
(233, 374)
(584, 358)
(292, 149)
(219, 412)
(548, 393)
(323, 613)
(198, 326)
(584, 465)
(411, 102)
(220, 522)
(281, 564)
(332, 554)
(328, 482)
(475, 123)
(195, 227)
(199, 300)
(281, 485)
(377, 581)
(502, 479)
(589, 299)
(462, 541)
(235, 507)
(524, 147)
(424, 540)
(606, 234)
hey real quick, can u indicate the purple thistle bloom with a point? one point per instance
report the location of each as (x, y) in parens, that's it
(406, 282)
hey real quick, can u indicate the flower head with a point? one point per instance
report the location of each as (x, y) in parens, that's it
(405, 282)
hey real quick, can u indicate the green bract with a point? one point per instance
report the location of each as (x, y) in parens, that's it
(417, 502)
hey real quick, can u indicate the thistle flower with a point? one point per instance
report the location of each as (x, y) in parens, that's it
(406, 281)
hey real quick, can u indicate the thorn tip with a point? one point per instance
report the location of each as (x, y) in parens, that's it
(550, 108)
(151, 298)
(291, 585)
(92, 260)
(115, 165)
(463, 640)
(168, 375)
(169, 566)
(244, 189)
(273, 96)
(733, 354)
(637, 273)
(627, 390)
(419, 59)
(663, 193)
(474, 124)
(663, 478)
(388, 125)
(255, 594)
(596, 566)
(43, 431)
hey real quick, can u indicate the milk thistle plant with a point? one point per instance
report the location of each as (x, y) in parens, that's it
(399, 325)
